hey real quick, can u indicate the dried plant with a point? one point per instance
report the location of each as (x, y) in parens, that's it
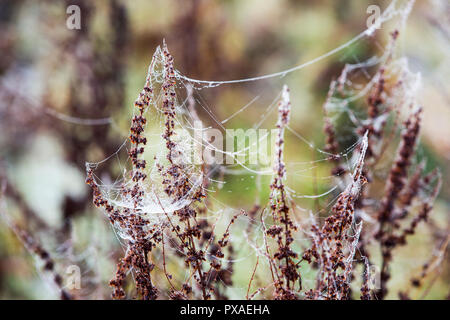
(283, 267)
(334, 246)
(194, 240)
(406, 184)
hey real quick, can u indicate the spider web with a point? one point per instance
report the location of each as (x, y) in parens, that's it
(194, 98)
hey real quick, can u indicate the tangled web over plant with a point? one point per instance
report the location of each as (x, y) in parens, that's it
(163, 207)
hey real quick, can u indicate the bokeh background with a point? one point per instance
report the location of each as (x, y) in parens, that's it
(66, 97)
